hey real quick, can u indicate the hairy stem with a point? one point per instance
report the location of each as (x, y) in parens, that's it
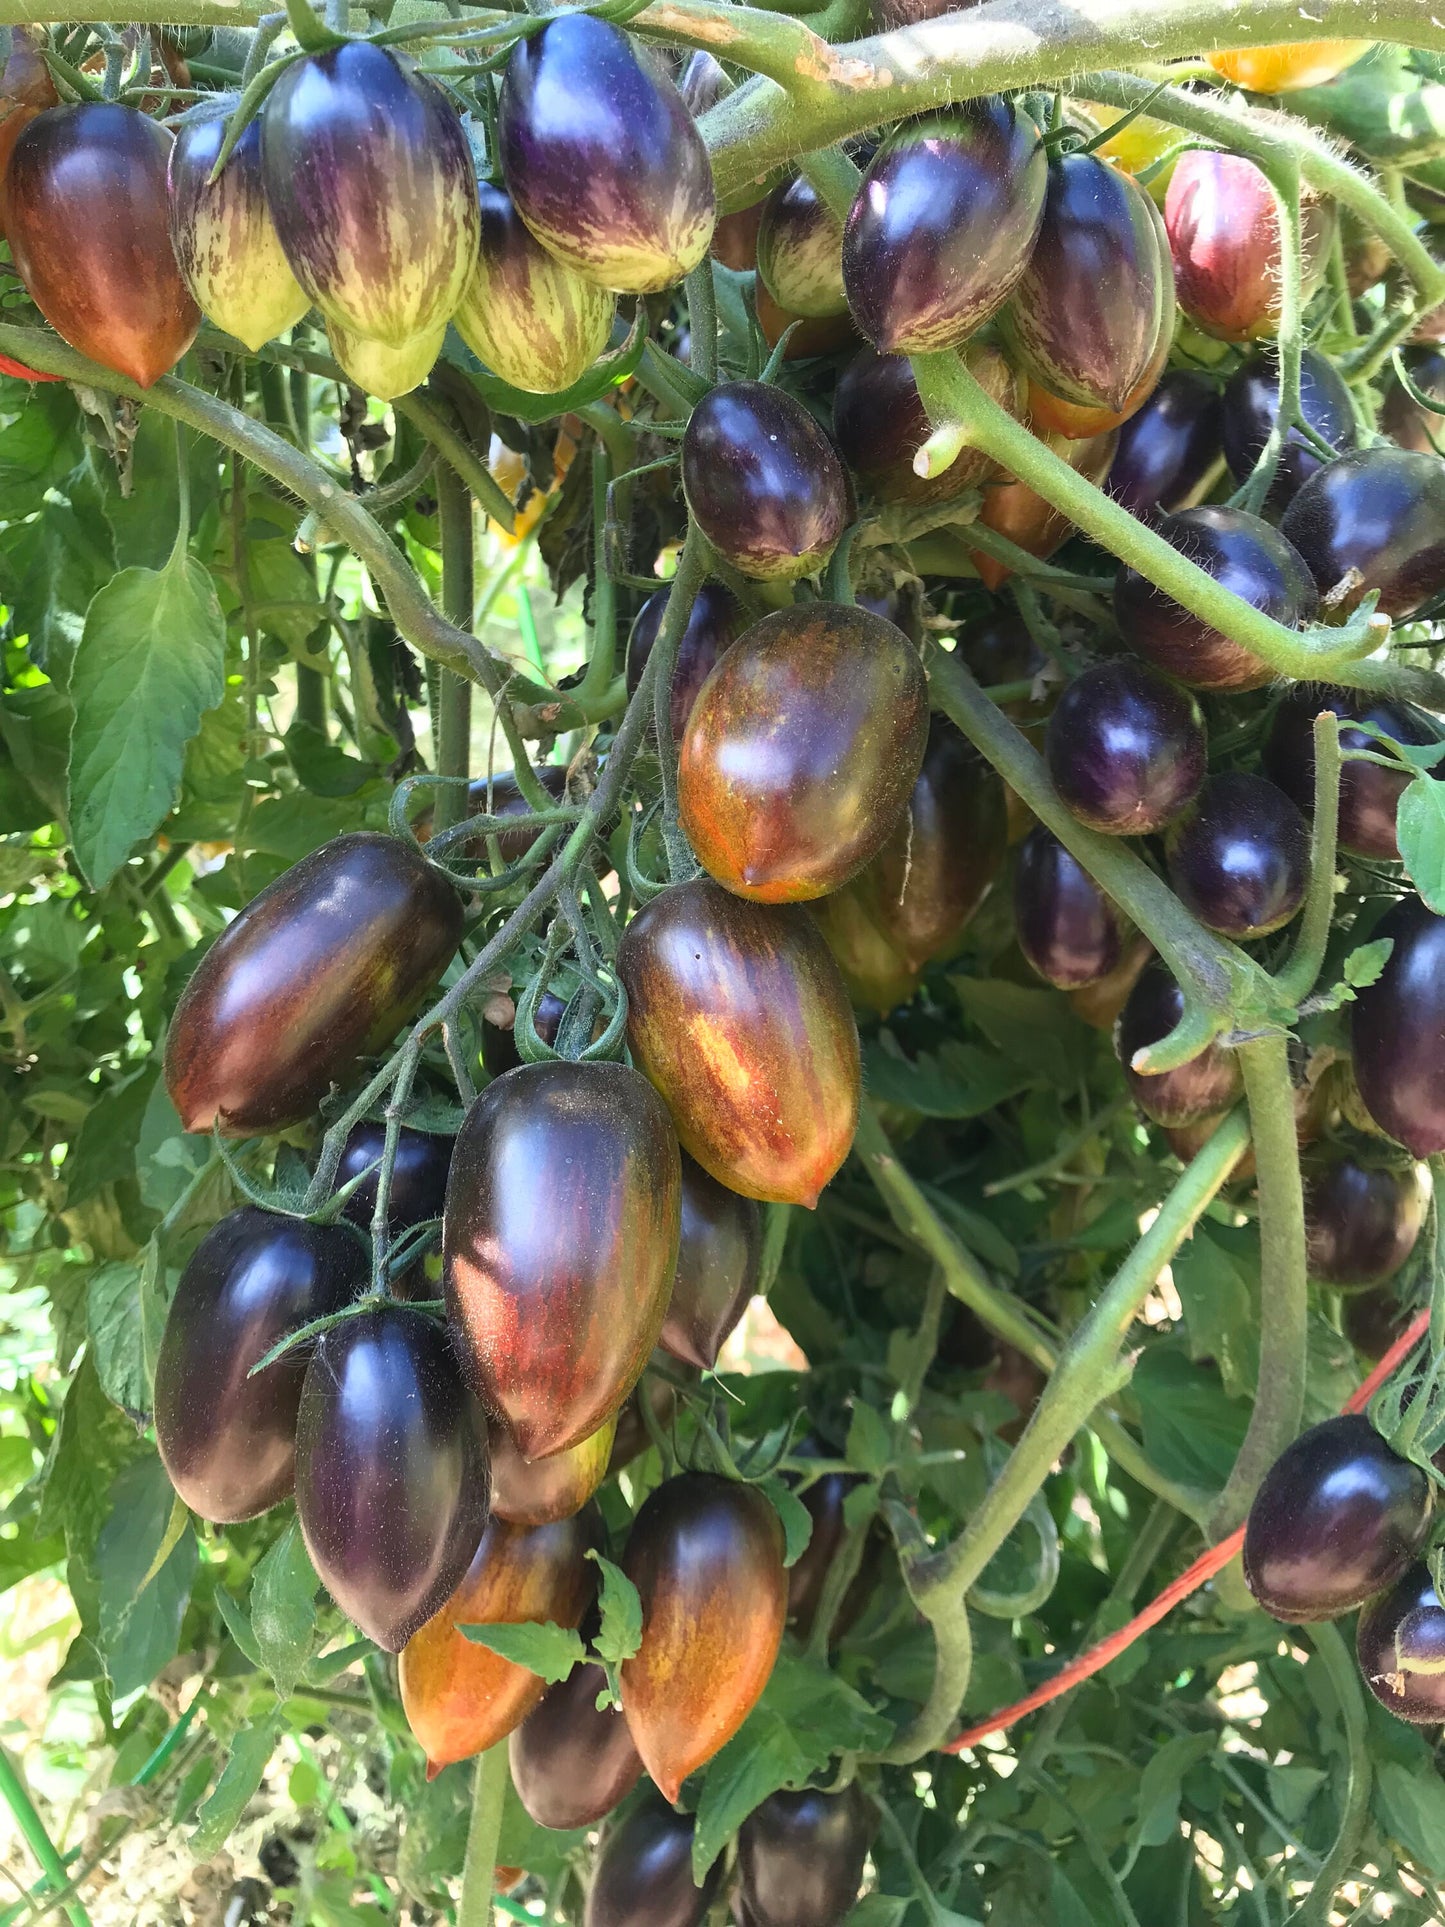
(489, 1793)
(453, 748)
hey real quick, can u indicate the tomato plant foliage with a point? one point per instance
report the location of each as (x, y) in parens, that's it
(901, 1341)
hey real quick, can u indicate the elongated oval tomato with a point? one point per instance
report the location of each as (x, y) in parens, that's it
(1397, 1031)
(320, 967)
(763, 482)
(801, 1856)
(460, 1697)
(224, 238)
(559, 1245)
(572, 1764)
(802, 750)
(737, 1013)
(718, 1257)
(800, 251)
(643, 1876)
(85, 212)
(1223, 224)
(706, 1556)
(380, 368)
(371, 186)
(537, 1492)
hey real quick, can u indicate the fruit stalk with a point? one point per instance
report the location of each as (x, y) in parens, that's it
(1298, 978)
(691, 569)
(454, 507)
(1339, 1663)
(489, 1792)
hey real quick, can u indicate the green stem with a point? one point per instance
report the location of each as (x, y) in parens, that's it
(1284, 1294)
(489, 1793)
(702, 321)
(311, 697)
(1300, 974)
(833, 178)
(603, 660)
(454, 707)
(1284, 179)
(691, 572)
(1344, 1675)
(17, 1797)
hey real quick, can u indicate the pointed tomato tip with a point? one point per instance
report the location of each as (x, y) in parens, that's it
(432, 1770)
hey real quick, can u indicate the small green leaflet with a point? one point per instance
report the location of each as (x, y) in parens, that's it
(283, 1609)
(1362, 968)
(151, 661)
(621, 1630)
(870, 1442)
(246, 1760)
(548, 1650)
(796, 1518)
(1420, 827)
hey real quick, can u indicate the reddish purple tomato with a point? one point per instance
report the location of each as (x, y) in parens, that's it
(392, 1479)
(1361, 1220)
(1067, 928)
(801, 1855)
(571, 1764)
(643, 1875)
(559, 1245)
(539, 1492)
(763, 481)
(1397, 1031)
(316, 971)
(228, 1440)
(1126, 748)
(1097, 294)
(1373, 520)
(1338, 1518)
(85, 215)
(1369, 793)
(943, 226)
(802, 750)
(714, 625)
(1247, 557)
(1372, 1321)
(1204, 1087)
(1251, 407)
(1240, 859)
(880, 425)
(1223, 225)
(1169, 450)
(1400, 1643)
(1403, 419)
(418, 1177)
(602, 158)
(718, 1256)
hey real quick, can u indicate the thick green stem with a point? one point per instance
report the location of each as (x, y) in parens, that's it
(1344, 1674)
(310, 697)
(489, 1793)
(17, 1797)
(691, 572)
(702, 321)
(1300, 974)
(1284, 1295)
(1284, 178)
(454, 708)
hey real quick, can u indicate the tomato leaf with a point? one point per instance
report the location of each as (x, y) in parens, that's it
(544, 1648)
(960, 1080)
(870, 1442)
(283, 1609)
(620, 1634)
(151, 661)
(246, 1761)
(119, 1319)
(147, 1557)
(1420, 827)
(796, 1518)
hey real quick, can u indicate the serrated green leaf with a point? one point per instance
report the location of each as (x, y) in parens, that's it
(1033, 1029)
(118, 1321)
(104, 1150)
(1217, 1277)
(283, 1609)
(1192, 1430)
(544, 1648)
(151, 661)
(238, 1624)
(1420, 827)
(870, 1439)
(246, 1761)
(957, 1081)
(796, 1518)
(147, 1556)
(620, 1633)
(1410, 1806)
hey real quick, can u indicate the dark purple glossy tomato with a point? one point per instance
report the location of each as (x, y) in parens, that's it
(1372, 1321)
(800, 251)
(802, 750)
(392, 1480)
(1375, 519)
(1223, 225)
(763, 481)
(570, 1763)
(738, 1015)
(85, 215)
(537, 1492)
(460, 1697)
(1097, 296)
(713, 626)
(603, 159)
(316, 971)
(808, 1574)
(801, 1855)
(1338, 1518)
(706, 1556)
(1067, 928)
(534, 321)
(224, 239)
(1249, 558)
(880, 424)
(1403, 419)
(1240, 858)
(943, 226)
(1204, 1087)
(499, 1045)
(718, 1257)
(228, 1440)
(1369, 793)
(1171, 448)
(1361, 1219)
(1397, 1031)
(1126, 748)
(702, 83)
(371, 185)
(559, 1245)
(1251, 408)
(418, 1176)
(1400, 1643)
(643, 1875)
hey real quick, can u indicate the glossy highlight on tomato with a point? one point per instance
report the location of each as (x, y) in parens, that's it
(1206, 1086)
(1067, 928)
(714, 624)
(461, 1697)
(801, 1855)
(706, 1556)
(1223, 226)
(1240, 858)
(1126, 748)
(1362, 1219)
(1400, 1644)
(559, 1245)
(1171, 448)
(228, 1440)
(1338, 1518)
(418, 1175)
(85, 215)
(643, 1875)
(763, 482)
(737, 1013)
(718, 1258)
(1369, 793)
(1397, 1031)
(571, 1764)
(801, 751)
(317, 970)
(1373, 520)
(392, 1482)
